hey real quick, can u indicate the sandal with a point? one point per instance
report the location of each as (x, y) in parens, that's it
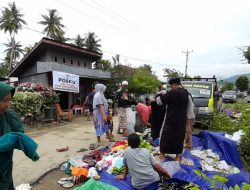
(66, 178)
(62, 149)
(82, 149)
(93, 146)
(68, 185)
(61, 182)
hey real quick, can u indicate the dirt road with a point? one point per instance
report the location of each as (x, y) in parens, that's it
(76, 134)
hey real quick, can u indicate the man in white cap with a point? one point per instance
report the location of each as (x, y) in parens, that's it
(123, 103)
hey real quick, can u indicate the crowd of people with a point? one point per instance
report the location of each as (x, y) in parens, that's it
(170, 116)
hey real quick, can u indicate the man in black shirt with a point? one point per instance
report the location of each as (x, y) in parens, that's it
(173, 132)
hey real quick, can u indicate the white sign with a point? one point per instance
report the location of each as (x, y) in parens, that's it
(65, 82)
(205, 92)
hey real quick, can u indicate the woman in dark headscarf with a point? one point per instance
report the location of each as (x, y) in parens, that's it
(9, 122)
(11, 137)
(100, 107)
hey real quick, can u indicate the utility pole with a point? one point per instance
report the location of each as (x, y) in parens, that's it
(187, 54)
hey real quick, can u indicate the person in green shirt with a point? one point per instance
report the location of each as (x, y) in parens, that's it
(9, 122)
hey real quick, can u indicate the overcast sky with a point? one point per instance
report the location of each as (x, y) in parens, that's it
(155, 31)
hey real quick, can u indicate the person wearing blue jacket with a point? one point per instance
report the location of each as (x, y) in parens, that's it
(11, 137)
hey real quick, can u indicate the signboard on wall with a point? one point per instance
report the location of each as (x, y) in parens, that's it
(65, 82)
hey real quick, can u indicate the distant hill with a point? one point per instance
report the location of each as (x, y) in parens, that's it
(234, 78)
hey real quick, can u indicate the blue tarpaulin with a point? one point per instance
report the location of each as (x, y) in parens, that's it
(225, 148)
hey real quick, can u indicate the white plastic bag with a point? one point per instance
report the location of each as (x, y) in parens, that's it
(24, 186)
(130, 120)
(172, 167)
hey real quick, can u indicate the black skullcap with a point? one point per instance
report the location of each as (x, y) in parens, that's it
(175, 80)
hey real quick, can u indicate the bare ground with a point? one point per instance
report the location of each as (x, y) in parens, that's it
(76, 134)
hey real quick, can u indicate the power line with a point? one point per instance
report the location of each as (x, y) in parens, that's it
(155, 36)
(125, 56)
(97, 19)
(137, 27)
(106, 12)
(187, 54)
(33, 30)
(120, 17)
(138, 59)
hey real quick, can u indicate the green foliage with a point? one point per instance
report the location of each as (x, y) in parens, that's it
(198, 76)
(143, 81)
(221, 122)
(53, 26)
(246, 54)
(27, 103)
(11, 19)
(4, 71)
(91, 42)
(219, 178)
(245, 186)
(215, 181)
(119, 73)
(147, 68)
(244, 150)
(172, 73)
(227, 86)
(242, 83)
(14, 47)
(191, 186)
(48, 95)
(79, 41)
(172, 186)
(103, 64)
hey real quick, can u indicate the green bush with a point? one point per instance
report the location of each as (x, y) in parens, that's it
(244, 150)
(27, 103)
(49, 96)
(221, 122)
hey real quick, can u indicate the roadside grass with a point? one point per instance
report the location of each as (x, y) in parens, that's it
(222, 122)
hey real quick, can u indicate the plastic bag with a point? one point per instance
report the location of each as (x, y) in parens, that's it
(130, 120)
(23, 186)
(172, 167)
(92, 184)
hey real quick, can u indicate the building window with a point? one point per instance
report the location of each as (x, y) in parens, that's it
(78, 63)
(63, 60)
(55, 59)
(71, 62)
(85, 64)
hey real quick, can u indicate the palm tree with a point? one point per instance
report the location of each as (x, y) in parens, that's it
(53, 26)
(79, 41)
(14, 50)
(29, 47)
(11, 21)
(91, 43)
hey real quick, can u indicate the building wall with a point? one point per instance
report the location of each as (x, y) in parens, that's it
(38, 78)
(82, 72)
(31, 69)
(67, 58)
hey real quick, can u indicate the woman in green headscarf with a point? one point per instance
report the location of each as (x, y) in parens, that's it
(9, 122)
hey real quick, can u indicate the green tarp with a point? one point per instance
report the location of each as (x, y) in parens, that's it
(93, 184)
